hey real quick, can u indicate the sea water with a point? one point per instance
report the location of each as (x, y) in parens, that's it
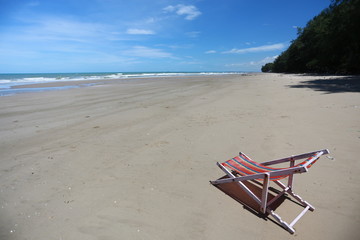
(8, 81)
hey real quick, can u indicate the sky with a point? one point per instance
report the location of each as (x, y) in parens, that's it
(51, 36)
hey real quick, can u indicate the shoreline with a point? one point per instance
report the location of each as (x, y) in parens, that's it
(133, 160)
(72, 80)
(103, 81)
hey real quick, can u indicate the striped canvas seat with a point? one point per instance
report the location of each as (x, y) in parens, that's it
(243, 165)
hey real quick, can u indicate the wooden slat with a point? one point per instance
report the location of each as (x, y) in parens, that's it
(261, 175)
(242, 185)
(275, 198)
(265, 192)
(240, 195)
(291, 176)
(295, 157)
(299, 216)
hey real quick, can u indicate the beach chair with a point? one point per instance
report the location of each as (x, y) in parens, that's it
(241, 170)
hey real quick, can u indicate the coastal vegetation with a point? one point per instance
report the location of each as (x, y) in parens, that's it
(329, 43)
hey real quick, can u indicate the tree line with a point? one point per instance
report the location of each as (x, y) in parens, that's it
(329, 43)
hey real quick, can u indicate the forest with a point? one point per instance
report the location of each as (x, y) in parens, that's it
(328, 44)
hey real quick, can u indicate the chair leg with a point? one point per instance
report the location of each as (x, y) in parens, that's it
(284, 224)
(265, 192)
(307, 206)
(291, 176)
(300, 200)
(299, 216)
(289, 190)
(288, 227)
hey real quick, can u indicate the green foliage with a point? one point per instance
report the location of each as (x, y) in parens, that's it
(330, 43)
(267, 67)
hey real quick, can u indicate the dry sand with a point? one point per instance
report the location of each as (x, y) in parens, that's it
(133, 159)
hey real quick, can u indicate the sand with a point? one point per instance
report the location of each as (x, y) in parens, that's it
(133, 159)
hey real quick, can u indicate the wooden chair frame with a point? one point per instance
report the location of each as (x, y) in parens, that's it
(286, 188)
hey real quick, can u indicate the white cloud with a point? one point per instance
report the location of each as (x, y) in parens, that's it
(253, 63)
(193, 34)
(190, 11)
(45, 32)
(268, 59)
(151, 20)
(142, 51)
(136, 31)
(176, 46)
(210, 52)
(60, 29)
(262, 61)
(264, 48)
(33, 4)
(191, 62)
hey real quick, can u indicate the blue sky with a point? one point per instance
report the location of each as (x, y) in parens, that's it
(147, 35)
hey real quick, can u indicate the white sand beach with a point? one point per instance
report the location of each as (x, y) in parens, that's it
(133, 159)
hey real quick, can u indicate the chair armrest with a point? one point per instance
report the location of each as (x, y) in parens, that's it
(295, 157)
(288, 171)
(275, 173)
(239, 179)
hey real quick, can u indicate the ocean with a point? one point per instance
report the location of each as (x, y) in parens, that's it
(8, 81)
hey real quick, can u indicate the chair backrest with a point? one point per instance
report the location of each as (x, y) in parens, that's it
(243, 165)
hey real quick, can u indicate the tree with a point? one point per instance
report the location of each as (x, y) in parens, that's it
(267, 67)
(329, 43)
